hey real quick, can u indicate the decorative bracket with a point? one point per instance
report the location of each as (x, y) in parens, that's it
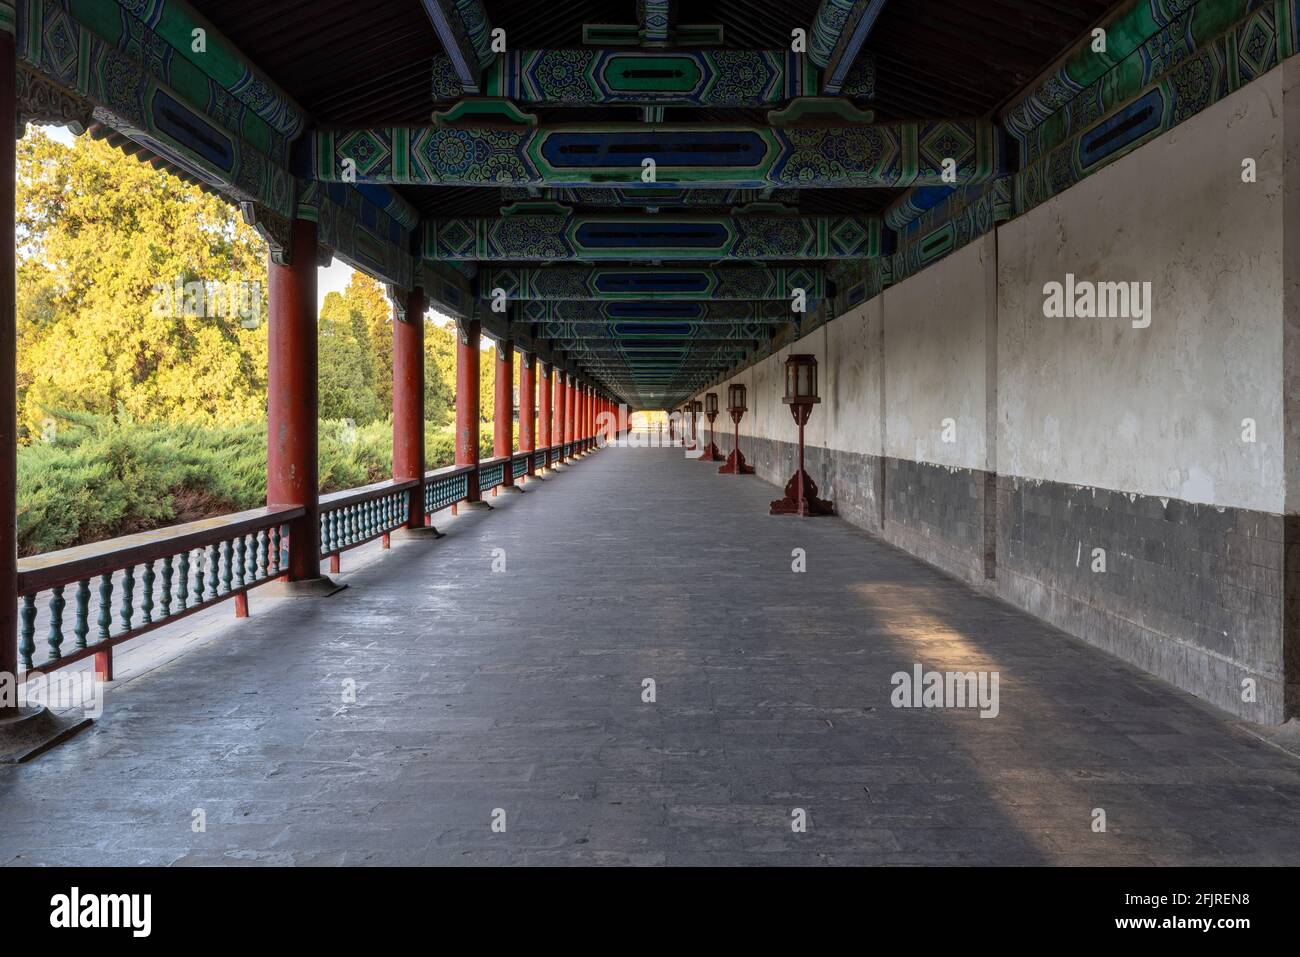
(273, 228)
(43, 103)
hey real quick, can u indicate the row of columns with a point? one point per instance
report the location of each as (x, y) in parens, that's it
(555, 408)
(569, 411)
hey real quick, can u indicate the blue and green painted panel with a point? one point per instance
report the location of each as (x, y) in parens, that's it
(1187, 73)
(865, 155)
(650, 310)
(595, 332)
(105, 55)
(948, 226)
(568, 238)
(1135, 63)
(1128, 33)
(675, 283)
(654, 196)
(655, 19)
(357, 231)
(174, 22)
(591, 77)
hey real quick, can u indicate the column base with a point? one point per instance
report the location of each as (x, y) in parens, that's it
(736, 465)
(710, 453)
(478, 506)
(424, 533)
(33, 730)
(304, 588)
(811, 505)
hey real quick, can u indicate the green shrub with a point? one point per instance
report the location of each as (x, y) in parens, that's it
(101, 477)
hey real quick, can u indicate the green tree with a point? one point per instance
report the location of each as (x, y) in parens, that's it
(111, 314)
(346, 374)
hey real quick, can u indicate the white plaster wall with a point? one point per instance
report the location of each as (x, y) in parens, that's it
(935, 359)
(849, 371)
(1159, 410)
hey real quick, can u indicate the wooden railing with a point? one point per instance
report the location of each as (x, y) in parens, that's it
(360, 515)
(88, 599)
(179, 570)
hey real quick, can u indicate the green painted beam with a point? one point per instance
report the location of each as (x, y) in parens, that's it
(588, 76)
(938, 152)
(651, 311)
(664, 283)
(672, 331)
(567, 238)
(651, 197)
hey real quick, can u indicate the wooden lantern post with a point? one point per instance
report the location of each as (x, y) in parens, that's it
(711, 453)
(801, 395)
(737, 408)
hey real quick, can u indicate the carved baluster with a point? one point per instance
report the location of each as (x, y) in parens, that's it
(261, 554)
(273, 550)
(81, 627)
(213, 560)
(126, 612)
(237, 572)
(225, 566)
(166, 594)
(182, 581)
(146, 598)
(200, 567)
(55, 637)
(105, 620)
(27, 633)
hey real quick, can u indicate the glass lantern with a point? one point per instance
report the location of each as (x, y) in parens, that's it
(711, 404)
(801, 380)
(736, 397)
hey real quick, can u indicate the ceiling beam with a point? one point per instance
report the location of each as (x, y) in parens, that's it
(663, 283)
(462, 28)
(848, 47)
(867, 155)
(584, 77)
(652, 311)
(651, 239)
(655, 19)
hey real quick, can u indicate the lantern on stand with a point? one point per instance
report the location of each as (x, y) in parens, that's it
(736, 406)
(693, 440)
(711, 453)
(801, 395)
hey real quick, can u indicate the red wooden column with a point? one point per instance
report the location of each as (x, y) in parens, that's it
(408, 404)
(528, 406)
(291, 383)
(27, 731)
(569, 391)
(467, 405)
(503, 413)
(544, 413)
(8, 372)
(561, 406)
(579, 415)
(570, 408)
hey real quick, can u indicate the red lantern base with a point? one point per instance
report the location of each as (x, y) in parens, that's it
(710, 453)
(736, 465)
(812, 505)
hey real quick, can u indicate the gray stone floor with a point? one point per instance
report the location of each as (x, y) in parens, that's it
(521, 690)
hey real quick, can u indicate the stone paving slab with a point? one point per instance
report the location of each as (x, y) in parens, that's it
(521, 690)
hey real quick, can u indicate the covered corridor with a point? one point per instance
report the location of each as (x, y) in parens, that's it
(521, 690)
